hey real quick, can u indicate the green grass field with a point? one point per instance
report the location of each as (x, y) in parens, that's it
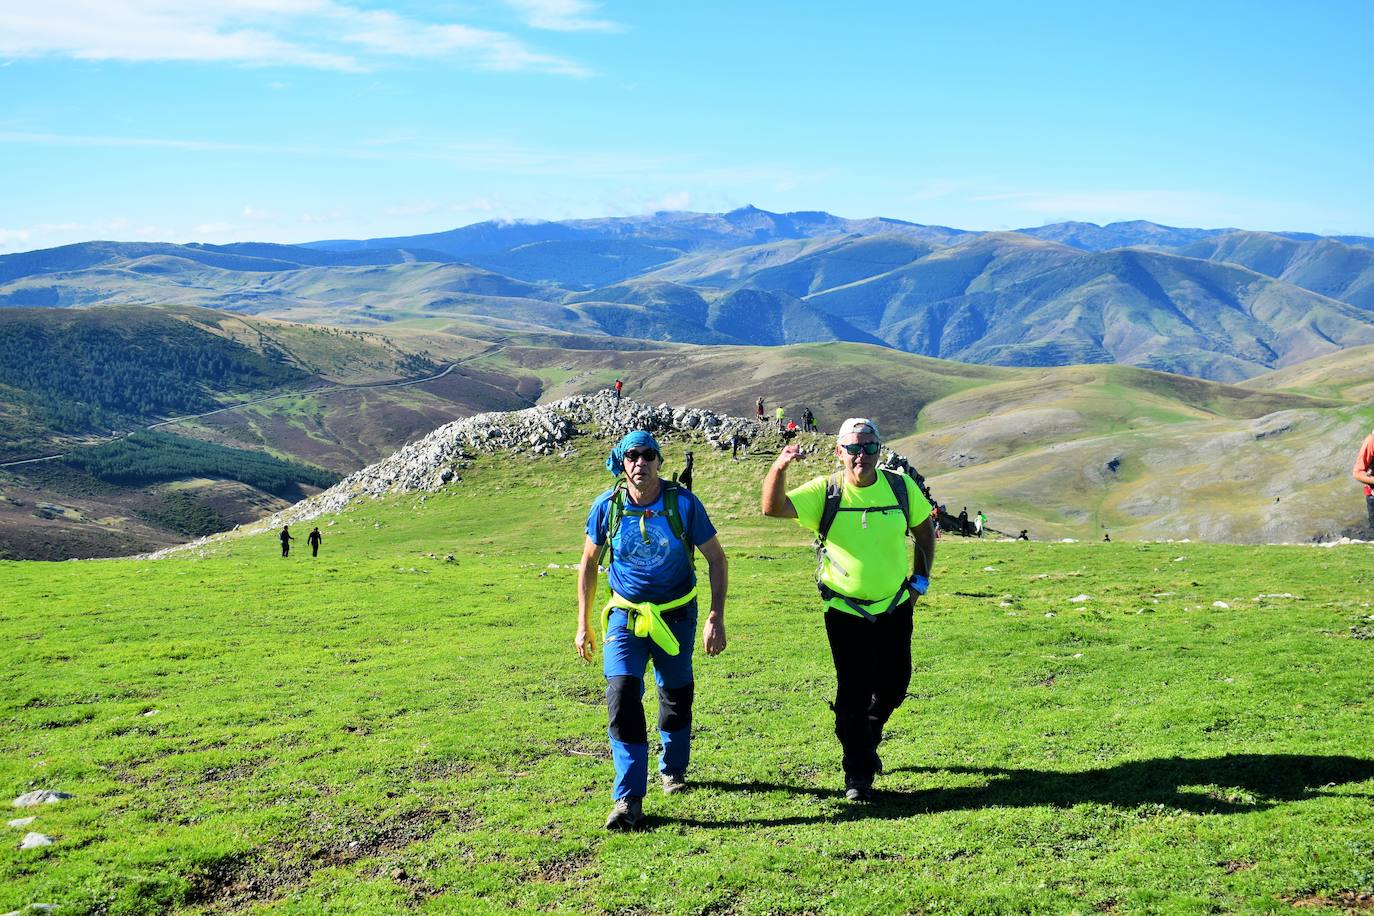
(382, 729)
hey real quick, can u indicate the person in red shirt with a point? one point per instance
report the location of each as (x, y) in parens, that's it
(1364, 473)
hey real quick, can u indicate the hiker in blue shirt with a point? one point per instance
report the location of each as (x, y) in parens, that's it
(648, 528)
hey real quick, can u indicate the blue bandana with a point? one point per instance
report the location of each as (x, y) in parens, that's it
(616, 462)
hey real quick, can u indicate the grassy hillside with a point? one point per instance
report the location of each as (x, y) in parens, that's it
(1347, 375)
(1064, 452)
(75, 375)
(382, 729)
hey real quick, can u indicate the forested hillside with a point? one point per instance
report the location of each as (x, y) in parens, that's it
(81, 372)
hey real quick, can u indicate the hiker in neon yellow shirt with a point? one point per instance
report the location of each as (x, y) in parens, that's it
(649, 529)
(861, 517)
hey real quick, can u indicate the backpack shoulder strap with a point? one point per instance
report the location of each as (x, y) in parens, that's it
(671, 510)
(613, 516)
(834, 490)
(900, 492)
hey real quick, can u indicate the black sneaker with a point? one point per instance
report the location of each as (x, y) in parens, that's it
(877, 764)
(626, 814)
(858, 792)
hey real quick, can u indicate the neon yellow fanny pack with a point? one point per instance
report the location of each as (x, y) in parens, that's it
(646, 618)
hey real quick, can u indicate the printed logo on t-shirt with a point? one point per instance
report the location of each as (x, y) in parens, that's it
(637, 553)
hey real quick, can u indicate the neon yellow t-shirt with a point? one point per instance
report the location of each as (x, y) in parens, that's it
(866, 552)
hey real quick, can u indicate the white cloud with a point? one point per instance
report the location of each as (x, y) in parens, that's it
(8, 236)
(321, 34)
(677, 200)
(257, 214)
(563, 15)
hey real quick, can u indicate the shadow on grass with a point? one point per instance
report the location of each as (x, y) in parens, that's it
(1234, 784)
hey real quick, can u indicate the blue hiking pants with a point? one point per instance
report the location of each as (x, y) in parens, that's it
(626, 657)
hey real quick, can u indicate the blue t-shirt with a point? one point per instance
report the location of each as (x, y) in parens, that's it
(658, 569)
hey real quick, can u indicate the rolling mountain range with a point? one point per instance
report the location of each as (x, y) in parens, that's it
(1214, 303)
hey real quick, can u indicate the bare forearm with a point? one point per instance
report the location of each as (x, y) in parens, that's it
(774, 502)
(586, 592)
(718, 571)
(923, 560)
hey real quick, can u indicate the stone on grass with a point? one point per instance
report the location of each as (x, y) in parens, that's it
(1079, 599)
(23, 821)
(40, 797)
(34, 840)
(1220, 604)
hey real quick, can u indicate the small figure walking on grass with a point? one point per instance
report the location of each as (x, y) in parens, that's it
(314, 541)
(286, 540)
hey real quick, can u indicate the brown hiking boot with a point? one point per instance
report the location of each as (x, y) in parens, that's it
(674, 783)
(626, 814)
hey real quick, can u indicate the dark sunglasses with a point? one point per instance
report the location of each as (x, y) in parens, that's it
(868, 448)
(646, 455)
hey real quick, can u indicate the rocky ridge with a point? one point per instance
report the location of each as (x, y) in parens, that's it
(547, 430)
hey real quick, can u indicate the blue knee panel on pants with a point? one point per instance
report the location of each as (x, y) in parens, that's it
(627, 656)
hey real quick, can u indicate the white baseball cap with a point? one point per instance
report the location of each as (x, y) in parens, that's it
(858, 426)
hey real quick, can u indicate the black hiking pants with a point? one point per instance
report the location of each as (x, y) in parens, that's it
(1369, 506)
(872, 672)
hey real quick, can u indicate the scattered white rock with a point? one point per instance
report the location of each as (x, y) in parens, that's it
(552, 566)
(23, 821)
(1221, 604)
(989, 569)
(1076, 655)
(437, 460)
(1004, 604)
(33, 908)
(40, 797)
(151, 712)
(1079, 599)
(1068, 540)
(34, 840)
(1049, 613)
(1179, 559)
(1277, 595)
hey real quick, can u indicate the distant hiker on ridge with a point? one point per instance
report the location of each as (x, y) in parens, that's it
(648, 529)
(861, 517)
(286, 540)
(314, 540)
(685, 478)
(963, 521)
(1364, 473)
(808, 420)
(980, 522)
(780, 415)
(758, 409)
(738, 443)
(618, 385)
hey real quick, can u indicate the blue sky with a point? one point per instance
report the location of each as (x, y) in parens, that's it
(292, 120)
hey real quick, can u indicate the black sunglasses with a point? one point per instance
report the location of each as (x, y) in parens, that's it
(646, 455)
(868, 448)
